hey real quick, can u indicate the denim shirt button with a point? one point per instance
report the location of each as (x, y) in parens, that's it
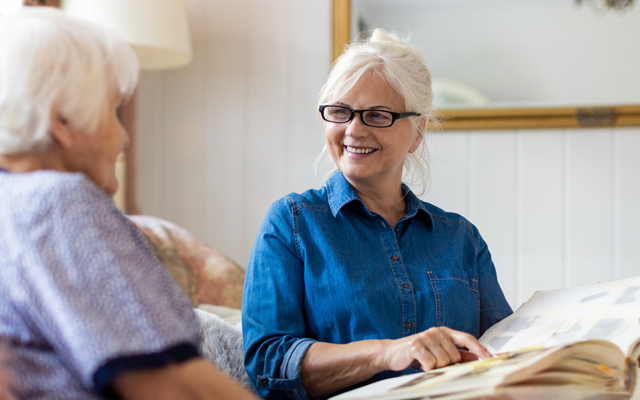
(409, 325)
(397, 229)
(264, 382)
(406, 285)
(395, 258)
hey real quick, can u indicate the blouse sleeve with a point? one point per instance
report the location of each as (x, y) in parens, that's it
(273, 320)
(96, 291)
(493, 305)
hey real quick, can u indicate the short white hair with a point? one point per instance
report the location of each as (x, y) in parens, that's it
(403, 68)
(47, 57)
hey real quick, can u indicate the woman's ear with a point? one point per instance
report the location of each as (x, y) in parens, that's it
(420, 134)
(59, 127)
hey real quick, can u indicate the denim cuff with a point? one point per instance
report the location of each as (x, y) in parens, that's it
(290, 368)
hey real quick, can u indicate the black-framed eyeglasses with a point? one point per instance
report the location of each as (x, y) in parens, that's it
(374, 118)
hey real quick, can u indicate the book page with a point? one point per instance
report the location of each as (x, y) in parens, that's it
(596, 364)
(607, 311)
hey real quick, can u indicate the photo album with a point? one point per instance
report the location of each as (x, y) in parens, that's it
(575, 343)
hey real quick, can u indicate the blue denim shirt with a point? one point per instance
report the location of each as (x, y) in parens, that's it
(324, 268)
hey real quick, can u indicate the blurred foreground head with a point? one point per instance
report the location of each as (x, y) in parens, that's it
(60, 81)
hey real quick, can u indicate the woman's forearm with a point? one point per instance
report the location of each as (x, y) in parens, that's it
(327, 368)
(194, 379)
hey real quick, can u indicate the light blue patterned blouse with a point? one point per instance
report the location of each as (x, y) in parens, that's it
(83, 297)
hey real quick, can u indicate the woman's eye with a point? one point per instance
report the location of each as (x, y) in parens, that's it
(378, 116)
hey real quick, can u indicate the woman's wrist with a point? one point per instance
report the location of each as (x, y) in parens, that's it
(327, 368)
(379, 360)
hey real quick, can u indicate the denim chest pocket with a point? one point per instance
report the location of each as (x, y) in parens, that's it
(457, 303)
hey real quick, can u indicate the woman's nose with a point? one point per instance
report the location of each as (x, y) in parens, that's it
(355, 127)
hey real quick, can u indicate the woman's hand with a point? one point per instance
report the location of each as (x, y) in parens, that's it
(327, 368)
(433, 348)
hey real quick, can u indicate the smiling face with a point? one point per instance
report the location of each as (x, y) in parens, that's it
(367, 155)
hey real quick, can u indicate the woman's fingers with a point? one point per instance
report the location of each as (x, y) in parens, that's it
(433, 348)
(425, 357)
(438, 342)
(463, 339)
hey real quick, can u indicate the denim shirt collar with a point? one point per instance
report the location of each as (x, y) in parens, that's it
(340, 193)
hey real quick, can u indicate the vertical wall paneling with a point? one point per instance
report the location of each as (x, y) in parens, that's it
(310, 57)
(541, 206)
(267, 115)
(448, 163)
(590, 206)
(628, 198)
(566, 206)
(471, 175)
(518, 217)
(615, 204)
(184, 134)
(150, 143)
(223, 138)
(226, 85)
(494, 185)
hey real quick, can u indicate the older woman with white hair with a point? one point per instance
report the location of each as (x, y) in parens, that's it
(360, 280)
(87, 309)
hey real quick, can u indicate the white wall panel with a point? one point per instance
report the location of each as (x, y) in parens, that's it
(184, 133)
(627, 204)
(494, 210)
(448, 162)
(267, 115)
(150, 145)
(310, 57)
(226, 85)
(590, 207)
(539, 233)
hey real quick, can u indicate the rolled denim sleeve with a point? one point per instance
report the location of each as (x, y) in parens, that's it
(273, 317)
(493, 305)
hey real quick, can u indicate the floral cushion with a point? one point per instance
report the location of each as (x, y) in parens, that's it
(206, 275)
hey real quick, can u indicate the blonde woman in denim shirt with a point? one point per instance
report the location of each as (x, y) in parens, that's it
(360, 280)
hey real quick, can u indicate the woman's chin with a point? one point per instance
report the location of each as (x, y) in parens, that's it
(111, 188)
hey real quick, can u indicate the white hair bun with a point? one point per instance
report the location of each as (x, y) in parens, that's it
(382, 36)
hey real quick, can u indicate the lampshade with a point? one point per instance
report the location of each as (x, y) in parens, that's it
(158, 30)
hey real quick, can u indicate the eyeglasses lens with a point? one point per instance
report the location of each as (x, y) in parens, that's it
(377, 118)
(370, 117)
(337, 114)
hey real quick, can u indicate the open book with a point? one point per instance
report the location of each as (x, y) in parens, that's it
(575, 343)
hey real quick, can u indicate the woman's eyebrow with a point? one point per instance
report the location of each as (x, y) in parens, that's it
(370, 108)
